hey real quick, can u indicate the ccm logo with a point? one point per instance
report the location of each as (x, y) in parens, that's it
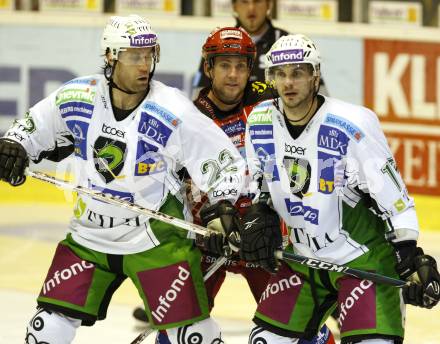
(228, 192)
(294, 149)
(112, 131)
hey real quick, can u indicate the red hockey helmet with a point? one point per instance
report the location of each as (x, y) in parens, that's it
(229, 41)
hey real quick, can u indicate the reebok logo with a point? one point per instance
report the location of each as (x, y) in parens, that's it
(171, 294)
(249, 224)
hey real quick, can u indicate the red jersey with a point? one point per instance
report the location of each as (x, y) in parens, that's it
(233, 123)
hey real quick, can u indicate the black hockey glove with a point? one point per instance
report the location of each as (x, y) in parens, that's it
(261, 236)
(13, 162)
(421, 271)
(223, 219)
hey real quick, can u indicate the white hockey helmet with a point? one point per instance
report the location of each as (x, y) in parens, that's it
(292, 49)
(131, 31)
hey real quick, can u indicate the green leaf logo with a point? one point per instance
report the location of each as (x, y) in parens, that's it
(80, 208)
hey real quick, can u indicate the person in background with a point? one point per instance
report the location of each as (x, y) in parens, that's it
(255, 17)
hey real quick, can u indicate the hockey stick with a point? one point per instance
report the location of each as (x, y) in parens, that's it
(188, 226)
(322, 265)
(191, 227)
(140, 338)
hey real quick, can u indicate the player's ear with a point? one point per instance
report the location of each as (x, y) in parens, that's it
(207, 69)
(317, 82)
(269, 8)
(109, 57)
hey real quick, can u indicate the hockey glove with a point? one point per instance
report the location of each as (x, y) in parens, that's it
(421, 271)
(261, 236)
(13, 162)
(223, 219)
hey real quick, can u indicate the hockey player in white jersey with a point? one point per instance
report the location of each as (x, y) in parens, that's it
(333, 180)
(129, 135)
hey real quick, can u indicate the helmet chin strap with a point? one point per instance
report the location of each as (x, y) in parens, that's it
(108, 73)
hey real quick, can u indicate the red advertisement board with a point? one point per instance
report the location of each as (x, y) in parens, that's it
(402, 85)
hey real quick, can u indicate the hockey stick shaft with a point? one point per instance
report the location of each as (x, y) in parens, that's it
(322, 265)
(190, 227)
(140, 338)
(214, 267)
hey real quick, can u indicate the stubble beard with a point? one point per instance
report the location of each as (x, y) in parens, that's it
(227, 99)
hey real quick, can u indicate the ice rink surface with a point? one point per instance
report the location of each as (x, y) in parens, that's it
(28, 237)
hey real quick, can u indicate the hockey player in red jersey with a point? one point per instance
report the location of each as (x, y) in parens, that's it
(229, 54)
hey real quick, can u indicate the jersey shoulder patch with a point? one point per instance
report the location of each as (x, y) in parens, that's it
(77, 97)
(261, 114)
(351, 129)
(91, 80)
(161, 113)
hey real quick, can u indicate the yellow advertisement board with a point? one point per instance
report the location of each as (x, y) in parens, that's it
(147, 7)
(322, 11)
(92, 6)
(7, 5)
(395, 12)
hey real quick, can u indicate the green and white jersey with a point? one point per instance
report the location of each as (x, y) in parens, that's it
(336, 185)
(135, 159)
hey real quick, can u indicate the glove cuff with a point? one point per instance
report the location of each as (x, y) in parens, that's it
(406, 249)
(406, 252)
(209, 213)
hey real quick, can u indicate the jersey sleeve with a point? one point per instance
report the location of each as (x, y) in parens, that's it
(214, 164)
(42, 132)
(257, 182)
(371, 166)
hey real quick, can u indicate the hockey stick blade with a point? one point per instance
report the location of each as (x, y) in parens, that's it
(322, 265)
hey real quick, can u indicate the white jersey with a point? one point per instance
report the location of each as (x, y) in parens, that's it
(336, 186)
(134, 159)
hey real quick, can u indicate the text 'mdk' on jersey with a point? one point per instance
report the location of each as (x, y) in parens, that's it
(336, 186)
(134, 159)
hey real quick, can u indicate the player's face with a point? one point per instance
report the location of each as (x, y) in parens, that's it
(133, 69)
(229, 77)
(252, 14)
(296, 86)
